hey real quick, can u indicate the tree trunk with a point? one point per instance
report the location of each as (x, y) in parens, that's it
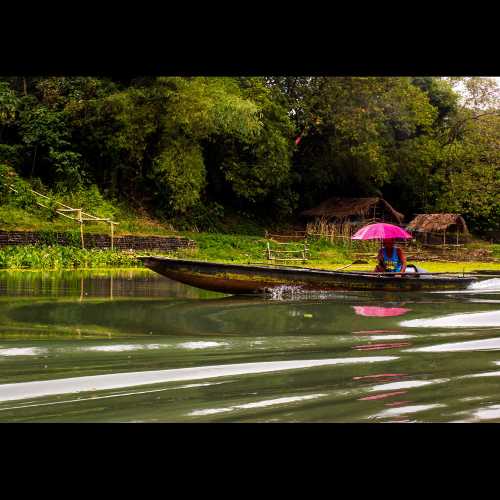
(34, 162)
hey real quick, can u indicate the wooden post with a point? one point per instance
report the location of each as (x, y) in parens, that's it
(112, 234)
(268, 251)
(79, 211)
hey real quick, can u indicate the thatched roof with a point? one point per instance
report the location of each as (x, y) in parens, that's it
(345, 207)
(436, 223)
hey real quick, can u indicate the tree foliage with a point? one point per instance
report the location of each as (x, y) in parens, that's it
(264, 146)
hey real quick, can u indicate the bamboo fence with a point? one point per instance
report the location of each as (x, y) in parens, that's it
(80, 216)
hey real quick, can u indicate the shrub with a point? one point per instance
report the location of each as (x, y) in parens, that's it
(89, 199)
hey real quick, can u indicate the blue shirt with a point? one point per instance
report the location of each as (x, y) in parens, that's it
(392, 264)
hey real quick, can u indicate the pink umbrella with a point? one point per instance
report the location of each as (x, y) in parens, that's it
(381, 231)
(380, 311)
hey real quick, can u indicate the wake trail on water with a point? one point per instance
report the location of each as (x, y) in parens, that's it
(484, 286)
(478, 320)
(282, 291)
(492, 284)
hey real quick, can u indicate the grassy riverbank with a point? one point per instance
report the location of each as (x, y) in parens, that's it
(323, 254)
(238, 238)
(229, 248)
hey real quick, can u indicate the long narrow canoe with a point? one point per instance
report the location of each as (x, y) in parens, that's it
(261, 279)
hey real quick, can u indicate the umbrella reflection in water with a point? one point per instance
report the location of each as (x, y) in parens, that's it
(378, 312)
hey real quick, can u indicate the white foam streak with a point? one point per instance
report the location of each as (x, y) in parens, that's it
(471, 345)
(403, 410)
(390, 337)
(482, 319)
(22, 351)
(201, 345)
(288, 291)
(116, 395)
(26, 390)
(488, 413)
(484, 374)
(407, 384)
(257, 404)
(209, 411)
(492, 284)
(111, 348)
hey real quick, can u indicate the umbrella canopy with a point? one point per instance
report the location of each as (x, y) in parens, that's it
(381, 231)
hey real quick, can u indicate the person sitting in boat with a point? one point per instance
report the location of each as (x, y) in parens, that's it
(391, 259)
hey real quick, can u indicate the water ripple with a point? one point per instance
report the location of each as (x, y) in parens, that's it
(256, 404)
(22, 351)
(26, 390)
(471, 345)
(404, 410)
(481, 319)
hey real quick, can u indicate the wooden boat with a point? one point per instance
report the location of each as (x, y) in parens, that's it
(261, 279)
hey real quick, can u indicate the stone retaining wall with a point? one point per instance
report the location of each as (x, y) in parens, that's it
(164, 243)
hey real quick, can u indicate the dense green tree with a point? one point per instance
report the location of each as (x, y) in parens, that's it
(190, 146)
(468, 181)
(355, 130)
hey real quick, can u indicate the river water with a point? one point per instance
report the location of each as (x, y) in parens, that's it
(132, 346)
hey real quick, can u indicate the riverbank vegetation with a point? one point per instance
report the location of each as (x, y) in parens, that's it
(356, 255)
(56, 257)
(239, 249)
(239, 154)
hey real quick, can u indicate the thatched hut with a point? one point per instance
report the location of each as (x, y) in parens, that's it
(354, 211)
(439, 228)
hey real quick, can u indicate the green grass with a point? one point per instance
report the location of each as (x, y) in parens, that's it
(325, 255)
(437, 267)
(18, 219)
(20, 211)
(226, 247)
(252, 249)
(211, 247)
